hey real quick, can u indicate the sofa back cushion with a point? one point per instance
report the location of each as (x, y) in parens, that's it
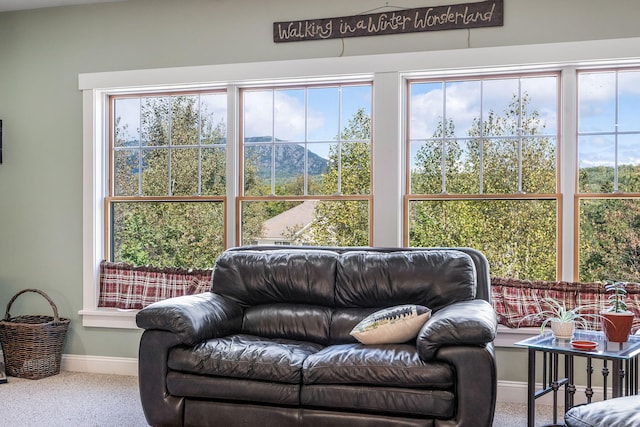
(433, 278)
(301, 322)
(278, 276)
(319, 295)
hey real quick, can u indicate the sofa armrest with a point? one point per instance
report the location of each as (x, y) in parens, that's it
(193, 318)
(463, 323)
(159, 406)
(476, 384)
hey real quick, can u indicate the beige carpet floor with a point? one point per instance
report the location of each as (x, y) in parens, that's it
(71, 399)
(92, 400)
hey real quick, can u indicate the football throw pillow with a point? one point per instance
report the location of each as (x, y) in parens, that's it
(392, 325)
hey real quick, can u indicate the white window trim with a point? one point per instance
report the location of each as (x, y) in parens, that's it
(389, 72)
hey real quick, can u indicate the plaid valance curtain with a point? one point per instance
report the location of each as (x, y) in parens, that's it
(516, 300)
(127, 287)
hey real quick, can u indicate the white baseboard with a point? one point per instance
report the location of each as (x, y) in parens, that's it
(508, 391)
(516, 392)
(100, 364)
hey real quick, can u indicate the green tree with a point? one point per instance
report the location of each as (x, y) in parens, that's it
(182, 233)
(609, 227)
(518, 236)
(346, 222)
(610, 239)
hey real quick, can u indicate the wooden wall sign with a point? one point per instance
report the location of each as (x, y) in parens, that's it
(488, 13)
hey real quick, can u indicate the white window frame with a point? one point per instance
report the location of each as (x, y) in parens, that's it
(389, 72)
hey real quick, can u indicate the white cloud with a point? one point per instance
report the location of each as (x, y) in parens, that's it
(283, 114)
(463, 103)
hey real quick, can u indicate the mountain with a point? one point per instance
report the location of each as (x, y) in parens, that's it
(289, 159)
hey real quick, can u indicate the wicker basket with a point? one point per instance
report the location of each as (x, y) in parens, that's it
(33, 344)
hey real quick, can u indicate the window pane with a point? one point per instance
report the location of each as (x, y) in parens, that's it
(155, 175)
(500, 166)
(597, 102)
(426, 167)
(155, 121)
(323, 114)
(629, 101)
(540, 105)
(290, 168)
(184, 172)
(528, 253)
(463, 102)
(126, 172)
(257, 169)
(462, 166)
(289, 115)
(127, 122)
(539, 165)
(213, 118)
(596, 160)
(500, 107)
(184, 120)
(257, 116)
(356, 112)
(214, 171)
(312, 222)
(355, 161)
(178, 234)
(426, 113)
(629, 163)
(610, 239)
(322, 169)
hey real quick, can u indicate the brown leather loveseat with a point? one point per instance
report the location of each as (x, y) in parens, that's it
(270, 345)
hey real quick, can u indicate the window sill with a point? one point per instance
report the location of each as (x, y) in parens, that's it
(507, 337)
(109, 318)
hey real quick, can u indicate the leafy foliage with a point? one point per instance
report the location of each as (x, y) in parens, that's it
(518, 236)
(346, 223)
(558, 312)
(610, 239)
(618, 293)
(170, 233)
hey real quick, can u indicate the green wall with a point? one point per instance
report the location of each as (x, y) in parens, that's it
(42, 52)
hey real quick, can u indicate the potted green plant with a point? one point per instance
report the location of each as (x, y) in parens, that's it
(617, 319)
(563, 321)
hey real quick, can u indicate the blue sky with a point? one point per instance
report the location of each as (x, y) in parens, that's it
(597, 113)
(466, 100)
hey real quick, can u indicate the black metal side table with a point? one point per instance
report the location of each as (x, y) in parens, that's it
(622, 357)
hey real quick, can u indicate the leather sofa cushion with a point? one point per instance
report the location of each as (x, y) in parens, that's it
(276, 276)
(294, 321)
(432, 278)
(246, 357)
(224, 388)
(388, 365)
(200, 413)
(621, 411)
(382, 400)
(342, 322)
